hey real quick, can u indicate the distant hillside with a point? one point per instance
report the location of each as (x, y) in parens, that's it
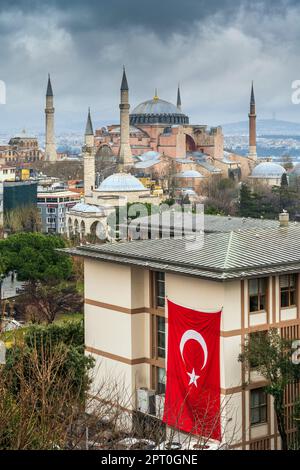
(267, 127)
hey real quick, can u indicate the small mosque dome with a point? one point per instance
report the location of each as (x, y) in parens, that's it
(119, 182)
(82, 207)
(268, 170)
(189, 174)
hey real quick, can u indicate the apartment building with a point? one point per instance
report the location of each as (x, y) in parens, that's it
(53, 206)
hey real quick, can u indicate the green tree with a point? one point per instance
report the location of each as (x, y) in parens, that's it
(296, 419)
(272, 357)
(248, 204)
(35, 258)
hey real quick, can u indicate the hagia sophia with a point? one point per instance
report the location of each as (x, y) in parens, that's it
(159, 131)
(156, 153)
(154, 140)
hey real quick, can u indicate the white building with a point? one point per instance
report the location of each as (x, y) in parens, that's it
(7, 173)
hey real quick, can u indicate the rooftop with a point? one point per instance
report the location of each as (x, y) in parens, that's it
(223, 256)
(211, 223)
(189, 174)
(60, 193)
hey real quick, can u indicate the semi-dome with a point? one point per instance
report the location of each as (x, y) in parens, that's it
(82, 207)
(119, 182)
(189, 174)
(268, 170)
(157, 111)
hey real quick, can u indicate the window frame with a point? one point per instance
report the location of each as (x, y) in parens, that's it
(156, 281)
(262, 405)
(259, 294)
(289, 290)
(157, 314)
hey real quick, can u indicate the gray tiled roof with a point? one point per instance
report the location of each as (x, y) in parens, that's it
(208, 166)
(223, 256)
(211, 223)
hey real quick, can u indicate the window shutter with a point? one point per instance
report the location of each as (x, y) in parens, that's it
(284, 281)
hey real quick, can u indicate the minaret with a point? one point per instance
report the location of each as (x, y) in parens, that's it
(252, 126)
(178, 98)
(50, 147)
(125, 156)
(88, 151)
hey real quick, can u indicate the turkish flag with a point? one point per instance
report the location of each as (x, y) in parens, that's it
(192, 402)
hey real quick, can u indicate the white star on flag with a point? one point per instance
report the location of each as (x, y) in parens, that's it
(193, 377)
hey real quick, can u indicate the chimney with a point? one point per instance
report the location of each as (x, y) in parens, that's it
(284, 219)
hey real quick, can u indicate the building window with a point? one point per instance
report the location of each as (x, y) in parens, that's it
(258, 294)
(158, 333)
(288, 290)
(258, 406)
(159, 379)
(159, 289)
(161, 336)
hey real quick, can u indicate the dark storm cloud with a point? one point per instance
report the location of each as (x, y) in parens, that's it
(214, 48)
(161, 16)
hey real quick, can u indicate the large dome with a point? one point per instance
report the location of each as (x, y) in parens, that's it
(268, 170)
(157, 111)
(121, 182)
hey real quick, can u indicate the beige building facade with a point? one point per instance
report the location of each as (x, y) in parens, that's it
(126, 318)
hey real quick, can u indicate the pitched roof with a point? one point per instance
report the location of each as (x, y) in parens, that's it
(211, 223)
(221, 256)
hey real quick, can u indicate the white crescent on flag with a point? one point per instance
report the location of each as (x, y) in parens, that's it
(195, 335)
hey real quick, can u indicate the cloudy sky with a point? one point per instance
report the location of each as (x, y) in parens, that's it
(213, 48)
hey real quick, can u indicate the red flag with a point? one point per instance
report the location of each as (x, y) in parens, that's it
(192, 402)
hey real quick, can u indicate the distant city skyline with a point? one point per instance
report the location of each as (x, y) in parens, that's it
(214, 50)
